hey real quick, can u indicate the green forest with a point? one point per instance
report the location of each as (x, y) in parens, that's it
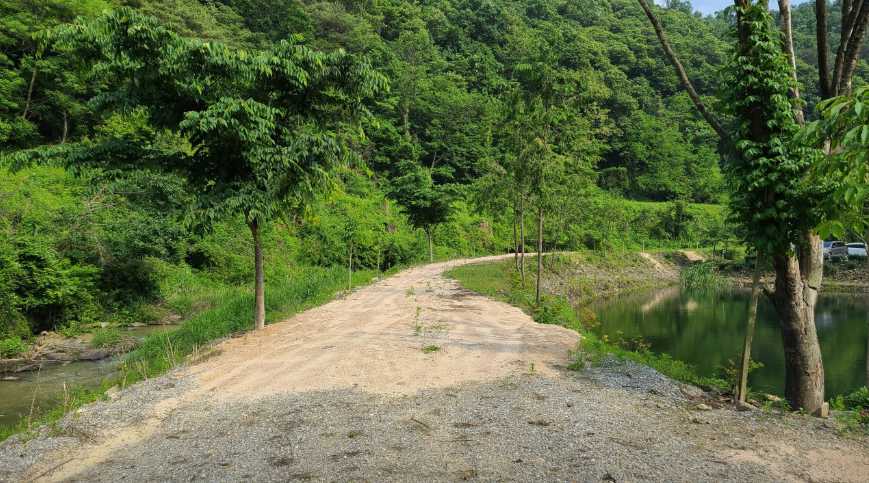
(91, 241)
(159, 155)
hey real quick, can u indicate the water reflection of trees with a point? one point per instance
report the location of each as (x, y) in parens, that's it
(705, 330)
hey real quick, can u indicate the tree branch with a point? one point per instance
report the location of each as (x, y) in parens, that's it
(848, 16)
(784, 7)
(855, 40)
(823, 48)
(683, 76)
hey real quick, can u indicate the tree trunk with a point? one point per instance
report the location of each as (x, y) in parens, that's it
(784, 7)
(29, 100)
(428, 234)
(259, 288)
(795, 297)
(522, 241)
(742, 389)
(539, 253)
(65, 128)
(350, 268)
(515, 241)
(405, 118)
(867, 351)
(821, 45)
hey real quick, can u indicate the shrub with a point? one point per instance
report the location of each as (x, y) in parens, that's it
(106, 338)
(12, 346)
(702, 276)
(858, 399)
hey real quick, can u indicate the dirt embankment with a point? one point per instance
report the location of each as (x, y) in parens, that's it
(412, 379)
(585, 277)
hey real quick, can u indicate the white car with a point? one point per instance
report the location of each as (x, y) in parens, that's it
(857, 250)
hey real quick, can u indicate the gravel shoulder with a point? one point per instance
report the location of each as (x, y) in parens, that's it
(346, 392)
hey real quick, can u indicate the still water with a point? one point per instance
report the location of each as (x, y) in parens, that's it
(40, 390)
(706, 328)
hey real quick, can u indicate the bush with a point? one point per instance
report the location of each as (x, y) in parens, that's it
(12, 346)
(53, 291)
(106, 338)
(858, 399)
(702, 276)
(856, 407)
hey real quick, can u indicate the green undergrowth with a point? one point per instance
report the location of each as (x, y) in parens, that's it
(500, 281)
(853, 410)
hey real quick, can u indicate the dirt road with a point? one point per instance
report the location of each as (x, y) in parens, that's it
(415, 379)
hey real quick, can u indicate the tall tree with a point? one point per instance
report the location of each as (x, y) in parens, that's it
(765, 65)
(257, 133)
(427, 203)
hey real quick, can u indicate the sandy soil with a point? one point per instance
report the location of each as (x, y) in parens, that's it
(347, 392)
(373, 340)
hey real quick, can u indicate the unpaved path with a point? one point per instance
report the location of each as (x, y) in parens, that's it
(346, 392)
(373, 340)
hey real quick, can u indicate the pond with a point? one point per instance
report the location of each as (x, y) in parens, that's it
(44, 389)
(706, 329)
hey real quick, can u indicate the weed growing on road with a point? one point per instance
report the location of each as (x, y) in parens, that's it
(417, 326)
(430, 348)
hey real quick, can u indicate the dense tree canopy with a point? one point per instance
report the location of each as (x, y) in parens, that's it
(210, 119)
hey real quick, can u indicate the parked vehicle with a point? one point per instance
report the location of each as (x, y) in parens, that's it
(835, 250)
(857, 250)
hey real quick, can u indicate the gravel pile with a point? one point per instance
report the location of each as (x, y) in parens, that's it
(615, 373)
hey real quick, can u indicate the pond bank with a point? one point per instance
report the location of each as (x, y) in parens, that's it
(577, 285)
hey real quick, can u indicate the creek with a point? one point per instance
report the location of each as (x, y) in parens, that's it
(33, 391)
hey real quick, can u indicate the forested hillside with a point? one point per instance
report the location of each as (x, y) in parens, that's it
(634, 164)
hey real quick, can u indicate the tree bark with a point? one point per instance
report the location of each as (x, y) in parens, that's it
(259, 287)
(539, 253)
(680, 71)
(522, 240)
(823, 49)
(428, 234)
(795, 298)
(742, 389)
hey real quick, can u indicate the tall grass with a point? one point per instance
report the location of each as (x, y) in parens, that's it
(702, 276)
(225, 310)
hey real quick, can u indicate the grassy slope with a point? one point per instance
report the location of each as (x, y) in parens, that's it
(607, 275)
